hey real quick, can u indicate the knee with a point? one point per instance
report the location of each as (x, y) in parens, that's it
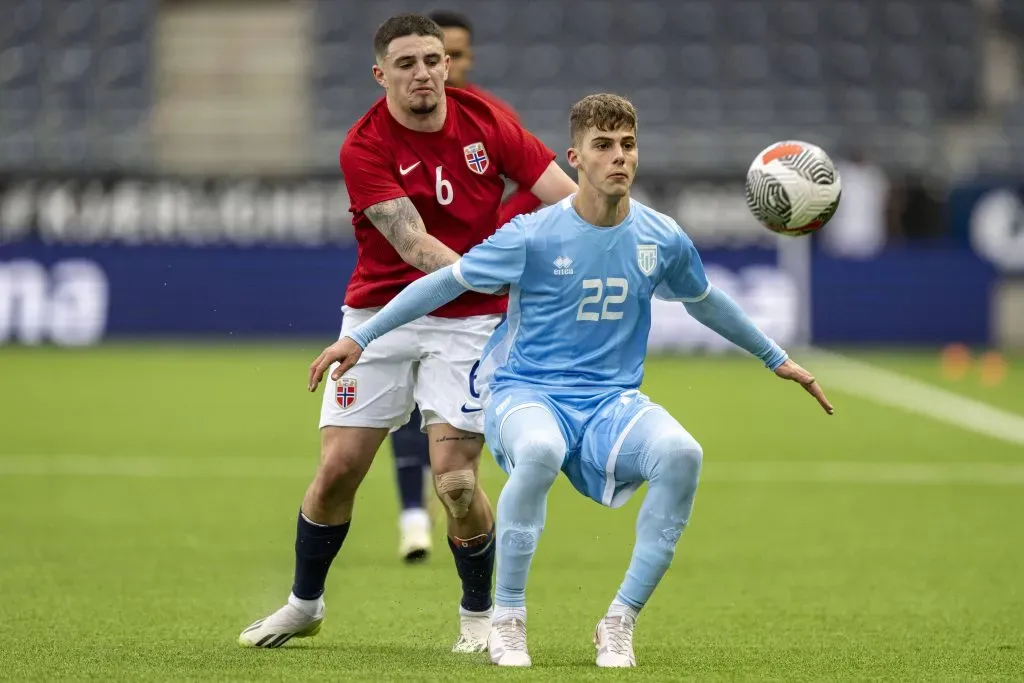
(456, 490)
(676, 455)
(539, 451)
(337, 477)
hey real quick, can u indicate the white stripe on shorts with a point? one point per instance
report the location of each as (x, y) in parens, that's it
(609, 467)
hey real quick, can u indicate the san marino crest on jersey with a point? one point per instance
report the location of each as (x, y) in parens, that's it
(476, 157)
(647, 257)
(346, 392)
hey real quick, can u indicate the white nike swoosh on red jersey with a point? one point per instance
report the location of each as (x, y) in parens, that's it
(405, 171)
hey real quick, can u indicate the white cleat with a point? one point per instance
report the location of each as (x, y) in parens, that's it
(415, 542)
(507, 643)
(473, 630)
(613, 638)
(280, 627)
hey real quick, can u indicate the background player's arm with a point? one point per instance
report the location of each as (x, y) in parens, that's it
(553, 185)
(528, 161)
(401, 224)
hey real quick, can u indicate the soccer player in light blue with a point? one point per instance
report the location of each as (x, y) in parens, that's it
(559, 378)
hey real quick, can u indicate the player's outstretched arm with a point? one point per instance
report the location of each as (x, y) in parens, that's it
(415, 301)
(400, 222)
(717, 311)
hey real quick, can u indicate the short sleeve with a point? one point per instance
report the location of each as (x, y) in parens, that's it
(495, 262)
(685, 279)
(369, 175)
(523, 157)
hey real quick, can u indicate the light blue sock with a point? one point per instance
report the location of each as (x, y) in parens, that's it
(532, 441)
(664, 454)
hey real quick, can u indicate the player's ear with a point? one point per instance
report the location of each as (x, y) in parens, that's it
(573, 157)
(447, 66)
(378, 75)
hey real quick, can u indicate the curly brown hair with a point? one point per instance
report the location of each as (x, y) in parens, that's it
(604, 111)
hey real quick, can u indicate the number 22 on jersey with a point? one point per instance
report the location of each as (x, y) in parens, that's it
(601, 299)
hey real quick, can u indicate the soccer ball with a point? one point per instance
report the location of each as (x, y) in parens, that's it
(793, 188)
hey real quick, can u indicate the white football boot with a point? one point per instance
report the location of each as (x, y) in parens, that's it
(281, 626)
(473, 630)
(613, 639)
(507, 643)
(415, 539)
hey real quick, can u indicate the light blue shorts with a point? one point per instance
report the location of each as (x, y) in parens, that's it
(595, 429)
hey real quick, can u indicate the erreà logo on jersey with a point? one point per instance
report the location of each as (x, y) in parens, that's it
(563, 265)
(476, 157)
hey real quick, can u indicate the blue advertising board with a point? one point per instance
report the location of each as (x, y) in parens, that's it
(987, 215)
(84, 259)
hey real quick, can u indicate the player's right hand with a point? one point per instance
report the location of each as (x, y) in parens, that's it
(345, 352)
(791, 371)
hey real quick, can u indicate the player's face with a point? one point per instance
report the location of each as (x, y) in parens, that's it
(413, 73)
(608, 159)
(459, 48)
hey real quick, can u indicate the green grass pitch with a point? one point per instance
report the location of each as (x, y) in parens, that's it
(148, 497)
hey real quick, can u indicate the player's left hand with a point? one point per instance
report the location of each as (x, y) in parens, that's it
(791, 371)
(345, 352)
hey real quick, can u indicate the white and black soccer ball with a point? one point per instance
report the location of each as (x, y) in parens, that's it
(793, 188)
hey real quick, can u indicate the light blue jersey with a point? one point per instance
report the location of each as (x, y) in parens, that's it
(575, 337)
(579, 309)
(559, 379)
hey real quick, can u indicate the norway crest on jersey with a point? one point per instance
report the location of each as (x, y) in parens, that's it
(346, 392)
(647, 257)
(476, 157)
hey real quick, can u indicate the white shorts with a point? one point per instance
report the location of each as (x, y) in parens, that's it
(430, 362)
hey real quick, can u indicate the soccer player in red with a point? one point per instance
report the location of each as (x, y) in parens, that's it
(424, 172)
(409, 444)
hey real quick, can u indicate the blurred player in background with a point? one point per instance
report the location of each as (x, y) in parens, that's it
(423, 169)
(409, 443)
(562, 372)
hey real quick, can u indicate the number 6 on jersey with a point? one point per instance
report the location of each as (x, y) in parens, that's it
(445, 193)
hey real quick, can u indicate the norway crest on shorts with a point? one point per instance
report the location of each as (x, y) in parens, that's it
(647, 257)
(476, 157)
(346, 392)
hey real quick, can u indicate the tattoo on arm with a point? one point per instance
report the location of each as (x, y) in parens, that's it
(400, 223)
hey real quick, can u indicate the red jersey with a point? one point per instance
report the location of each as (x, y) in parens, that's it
(522, 200)
(452, 176)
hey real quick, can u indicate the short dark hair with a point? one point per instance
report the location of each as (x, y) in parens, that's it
(603, 111)
(402, 25)
(448, 19)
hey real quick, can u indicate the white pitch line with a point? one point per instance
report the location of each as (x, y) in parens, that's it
(757, 472)
(191, 467)
(970, 473)
(913, 395)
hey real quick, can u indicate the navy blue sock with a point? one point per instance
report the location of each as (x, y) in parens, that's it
(315, 548)
(474, 560)
(412, 461)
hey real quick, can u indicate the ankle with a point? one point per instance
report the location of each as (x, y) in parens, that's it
(504, 613)
(312, 608)
(619, 608)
